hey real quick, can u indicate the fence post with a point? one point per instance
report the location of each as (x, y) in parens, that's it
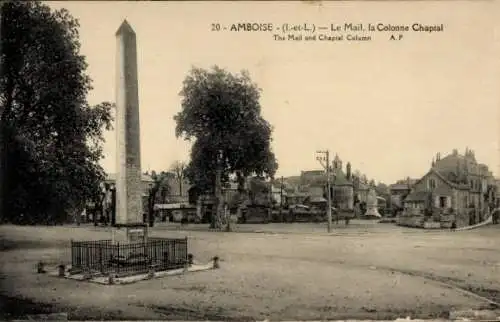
(88, 258)
(216, 262)
(185, 250)
(40, 267)
(101, 263)
(118, 257)
(61, 269)
(151, 273)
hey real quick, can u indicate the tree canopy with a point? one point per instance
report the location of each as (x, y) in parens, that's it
(52, 137)
(221, 115)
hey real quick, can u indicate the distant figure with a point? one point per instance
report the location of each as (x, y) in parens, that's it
(494, 217)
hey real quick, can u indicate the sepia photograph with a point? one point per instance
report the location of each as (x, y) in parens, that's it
(250, 160)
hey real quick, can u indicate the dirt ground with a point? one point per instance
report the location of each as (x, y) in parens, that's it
(276, 271)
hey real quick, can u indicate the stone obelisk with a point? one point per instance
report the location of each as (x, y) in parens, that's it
(129, 210)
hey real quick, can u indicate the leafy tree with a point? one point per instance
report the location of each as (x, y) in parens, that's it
(179, 169)
(382, 190)
(161, 187)
(259, 192)
(221, 113)
(52, 138)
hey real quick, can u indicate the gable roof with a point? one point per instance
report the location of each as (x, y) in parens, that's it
(418, 196)
(444, 179)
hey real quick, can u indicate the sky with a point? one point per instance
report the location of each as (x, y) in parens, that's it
(386, 106)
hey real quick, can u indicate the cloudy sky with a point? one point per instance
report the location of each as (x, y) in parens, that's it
(386, 106)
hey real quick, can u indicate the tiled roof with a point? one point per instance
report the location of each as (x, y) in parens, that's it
(316, 199)
(443, 190)
(341, 180)
(446, 180)
(418, 196)
(399, 186)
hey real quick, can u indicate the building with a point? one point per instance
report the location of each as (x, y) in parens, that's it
(343, 187)
(314, 184)
(295, 198)
(455, 184)
(399, 191)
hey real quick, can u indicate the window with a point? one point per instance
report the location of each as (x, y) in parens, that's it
(432, 184)
(442, 202)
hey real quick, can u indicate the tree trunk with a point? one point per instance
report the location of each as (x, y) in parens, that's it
(6, 182)
(217, 221)
(2, 173)
(78, 217)
(2, 214)
(243, 194)
(227, 216)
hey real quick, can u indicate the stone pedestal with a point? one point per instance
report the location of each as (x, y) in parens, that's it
(130, 233)
(371, 205)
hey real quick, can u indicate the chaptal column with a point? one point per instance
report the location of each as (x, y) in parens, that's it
(129, 210)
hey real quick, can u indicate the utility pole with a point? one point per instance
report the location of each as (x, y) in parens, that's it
(324, 156)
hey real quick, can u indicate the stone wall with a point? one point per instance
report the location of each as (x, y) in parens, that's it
(411, 221)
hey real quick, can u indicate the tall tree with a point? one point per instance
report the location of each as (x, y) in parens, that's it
(179, 169)
(52, 137)
(221, 114)
(1, 137)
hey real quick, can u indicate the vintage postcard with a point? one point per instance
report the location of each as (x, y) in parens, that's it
(250, 160)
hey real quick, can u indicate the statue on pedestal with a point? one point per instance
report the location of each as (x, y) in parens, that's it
(371, 204)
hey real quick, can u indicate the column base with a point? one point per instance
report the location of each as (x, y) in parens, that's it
(130, 233)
